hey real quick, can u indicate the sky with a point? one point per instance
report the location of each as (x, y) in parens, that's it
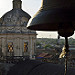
(31, 7)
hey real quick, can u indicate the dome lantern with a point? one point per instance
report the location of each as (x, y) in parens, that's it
(17, 4)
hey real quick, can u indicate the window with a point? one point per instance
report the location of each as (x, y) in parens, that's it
(25, 46)
(10, 47)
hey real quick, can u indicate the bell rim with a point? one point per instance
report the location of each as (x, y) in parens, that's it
(55, 19)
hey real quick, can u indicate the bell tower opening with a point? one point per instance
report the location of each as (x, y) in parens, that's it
(17, 4)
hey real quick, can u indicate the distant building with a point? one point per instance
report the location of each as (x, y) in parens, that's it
(15, 38)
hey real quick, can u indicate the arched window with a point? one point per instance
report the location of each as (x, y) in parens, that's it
(10, 47)
(25, 46)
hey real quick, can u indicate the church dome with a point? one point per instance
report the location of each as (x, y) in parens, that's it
(16, 16)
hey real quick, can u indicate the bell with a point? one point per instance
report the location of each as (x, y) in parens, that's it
(55, 15)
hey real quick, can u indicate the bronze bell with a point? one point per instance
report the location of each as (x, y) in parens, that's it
(55, 15)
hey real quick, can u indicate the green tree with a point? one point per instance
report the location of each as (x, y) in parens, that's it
(47, 46)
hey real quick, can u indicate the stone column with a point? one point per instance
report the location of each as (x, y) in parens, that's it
(16, 47)
(0, 46)
(31, 49)
(34, 45)
(4, 46)
(21, 47)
